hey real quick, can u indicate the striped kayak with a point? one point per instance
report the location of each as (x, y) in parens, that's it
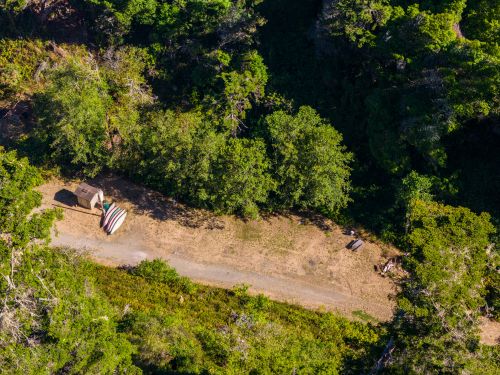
(113, 218)
(105, 217)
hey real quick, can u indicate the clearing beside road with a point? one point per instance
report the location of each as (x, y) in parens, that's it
(289, 258)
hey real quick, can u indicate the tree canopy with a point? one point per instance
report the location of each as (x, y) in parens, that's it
(440, 301)
(377, 113)
(311, 163)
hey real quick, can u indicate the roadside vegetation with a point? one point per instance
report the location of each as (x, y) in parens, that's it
(61, 313)
(381, 113)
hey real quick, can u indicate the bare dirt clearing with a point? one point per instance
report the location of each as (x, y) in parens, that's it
(490, 332)
(292, 259)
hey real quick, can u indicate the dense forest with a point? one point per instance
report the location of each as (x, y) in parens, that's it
(376, 113)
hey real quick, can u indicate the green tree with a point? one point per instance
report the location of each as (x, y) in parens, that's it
(357, 20)
(181, 154)
(413, 188)
(242, 88)
(19, 60)
(159, 271)
(88, 115)
(72, 118)
(437, 324)
(123, 71)
(311, 164)
(241, 179)
(18, 199)
(411, 73)
(482, 21)
(175, 153)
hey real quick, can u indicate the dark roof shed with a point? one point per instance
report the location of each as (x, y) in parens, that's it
(86, 191)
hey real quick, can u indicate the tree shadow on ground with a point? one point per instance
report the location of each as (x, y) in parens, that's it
(154, 204)
(316, 219)
(304, 217)
(66, 197)
(161, 207)
(15, 120)
(60, 21)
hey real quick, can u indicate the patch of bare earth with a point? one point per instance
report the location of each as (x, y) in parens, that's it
(490, 332)
(291, 258)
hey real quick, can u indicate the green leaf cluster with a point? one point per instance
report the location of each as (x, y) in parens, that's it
(312, 166)
(437, 326)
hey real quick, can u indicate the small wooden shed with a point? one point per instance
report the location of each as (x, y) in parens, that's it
(87, 195)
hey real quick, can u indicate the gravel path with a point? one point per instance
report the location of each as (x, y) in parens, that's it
(282, 289)
(287, 258)
(279, 288)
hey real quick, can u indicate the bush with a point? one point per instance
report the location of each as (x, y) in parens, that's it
(159, 271)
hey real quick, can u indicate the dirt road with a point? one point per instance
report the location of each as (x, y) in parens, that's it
(285, 289)
(292, 259)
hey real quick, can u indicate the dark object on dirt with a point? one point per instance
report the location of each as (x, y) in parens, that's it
(355, 244)
(349, 231)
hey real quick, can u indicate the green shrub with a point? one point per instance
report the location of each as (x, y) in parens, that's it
(159, 271)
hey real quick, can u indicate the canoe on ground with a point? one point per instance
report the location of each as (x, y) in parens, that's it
(113, 218)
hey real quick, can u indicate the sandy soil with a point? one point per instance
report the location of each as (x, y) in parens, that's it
(293, 259)
(490, 332)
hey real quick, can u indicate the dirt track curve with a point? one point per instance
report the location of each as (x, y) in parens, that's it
(284, 289)
(292, 259)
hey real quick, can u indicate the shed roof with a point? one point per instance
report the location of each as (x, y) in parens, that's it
(86, 191)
